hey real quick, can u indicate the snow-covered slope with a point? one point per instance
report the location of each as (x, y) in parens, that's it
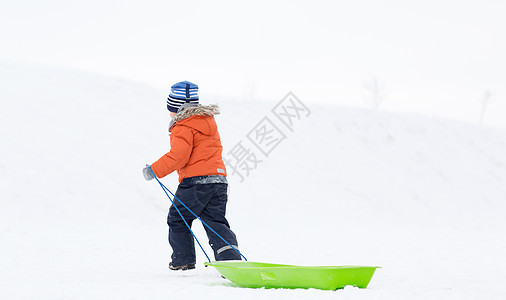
(423, 198)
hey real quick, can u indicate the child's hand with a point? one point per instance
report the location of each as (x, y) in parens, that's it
(148, 174)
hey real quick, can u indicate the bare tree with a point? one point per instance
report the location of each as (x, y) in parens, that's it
(375, 92)
(484, 103)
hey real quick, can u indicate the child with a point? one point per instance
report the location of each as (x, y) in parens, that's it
(195, 153)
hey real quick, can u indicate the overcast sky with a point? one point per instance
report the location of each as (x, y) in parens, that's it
(435, 57)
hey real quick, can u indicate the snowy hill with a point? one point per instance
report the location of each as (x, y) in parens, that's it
(424, 198)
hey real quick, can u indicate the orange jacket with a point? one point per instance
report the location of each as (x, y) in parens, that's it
(195, 145)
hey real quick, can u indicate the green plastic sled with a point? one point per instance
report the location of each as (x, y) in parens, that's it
(258, 275)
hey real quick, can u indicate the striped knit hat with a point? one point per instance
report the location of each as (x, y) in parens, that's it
(181, 93)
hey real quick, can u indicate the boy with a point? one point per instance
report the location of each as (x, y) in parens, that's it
(196, 155)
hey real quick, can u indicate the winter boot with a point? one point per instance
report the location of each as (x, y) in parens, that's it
(183, 267)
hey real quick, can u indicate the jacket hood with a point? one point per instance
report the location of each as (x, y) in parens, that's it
(197, 117)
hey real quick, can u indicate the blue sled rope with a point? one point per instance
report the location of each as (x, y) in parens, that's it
(165, 189)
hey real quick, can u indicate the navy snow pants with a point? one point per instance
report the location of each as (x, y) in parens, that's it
(208, 201)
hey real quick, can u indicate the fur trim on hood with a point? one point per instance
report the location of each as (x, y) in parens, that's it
(198, 110)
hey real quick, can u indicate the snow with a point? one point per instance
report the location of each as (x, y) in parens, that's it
(436, 57)
(423, 198)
